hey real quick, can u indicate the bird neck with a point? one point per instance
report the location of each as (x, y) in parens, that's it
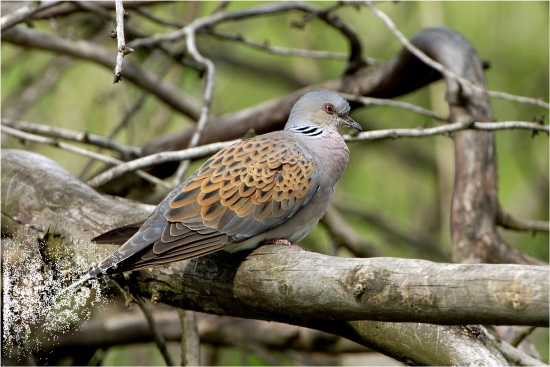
(307, 130)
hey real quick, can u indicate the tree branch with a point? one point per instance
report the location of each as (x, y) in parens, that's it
(506, 220)
(84, 152)
(122, 49)
(305, 288)
(24, 13)
(445, 71)
(128, 328)
(66, 134)
(165, 91)
(204, 150)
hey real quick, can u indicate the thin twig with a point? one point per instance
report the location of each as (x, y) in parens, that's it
(521, 99)
(157, 335)
(208, 89)
(147, 14)
(122, 49)
(157, 158)
(346, 236)
(24, 13)
(66, 134)
(506, 220)
(283, 51)
(523, 333)
(208, 149)
(442, 69)
(446, 129)
(100, 157)
(513, 355)
(366, 101)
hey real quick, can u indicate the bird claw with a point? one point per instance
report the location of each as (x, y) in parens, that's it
(281, 241)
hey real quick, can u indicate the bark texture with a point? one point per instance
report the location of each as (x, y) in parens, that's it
(300, 287)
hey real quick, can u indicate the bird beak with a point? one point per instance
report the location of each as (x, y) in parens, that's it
(348, 121)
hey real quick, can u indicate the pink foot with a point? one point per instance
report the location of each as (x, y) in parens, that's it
(281, 241)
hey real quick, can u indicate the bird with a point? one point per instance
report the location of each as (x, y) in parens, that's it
(273, 187)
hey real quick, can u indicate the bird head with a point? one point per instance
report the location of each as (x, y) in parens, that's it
(323, 108)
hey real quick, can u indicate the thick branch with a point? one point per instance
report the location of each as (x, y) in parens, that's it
(298, 287)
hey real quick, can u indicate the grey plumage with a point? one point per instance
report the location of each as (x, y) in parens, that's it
(273, 186)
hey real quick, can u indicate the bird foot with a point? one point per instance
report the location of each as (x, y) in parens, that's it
(281, 241)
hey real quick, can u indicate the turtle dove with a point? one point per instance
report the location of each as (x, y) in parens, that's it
(273, 187)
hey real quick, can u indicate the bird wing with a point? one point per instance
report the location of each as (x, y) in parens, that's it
(240, 192)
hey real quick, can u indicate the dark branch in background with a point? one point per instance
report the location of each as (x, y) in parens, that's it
(506, 220)
(129, 328)
(190, 340)
(473, 216)
(447, 72)
(165, 91)
(345, 236)
(420, 244)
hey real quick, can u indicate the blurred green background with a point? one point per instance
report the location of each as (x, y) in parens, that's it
(406, 183)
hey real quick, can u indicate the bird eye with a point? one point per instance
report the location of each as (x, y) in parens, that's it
(329, 108)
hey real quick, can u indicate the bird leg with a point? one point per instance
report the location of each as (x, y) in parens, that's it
(281, 241)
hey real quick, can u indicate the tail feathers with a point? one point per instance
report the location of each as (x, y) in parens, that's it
(118, 236)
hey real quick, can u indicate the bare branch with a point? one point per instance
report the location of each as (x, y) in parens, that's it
(513, 355)
(190, 341)
(506, 220)
(283, 51)
(367, 101)
(122, 49)
(132, 327)
(24, 13)
(100, 157)
(81, 137)
(442, 69)
(165, 91)
(446, 129)
(157, 158)
(157, 335)
(190, 33)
